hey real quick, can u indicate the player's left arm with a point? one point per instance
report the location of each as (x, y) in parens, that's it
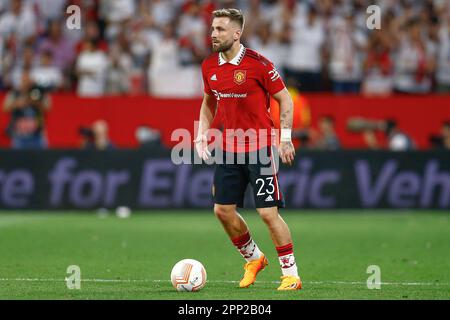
(272, 82)
(286, 148)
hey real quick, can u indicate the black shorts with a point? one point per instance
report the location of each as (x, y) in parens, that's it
(258, 169)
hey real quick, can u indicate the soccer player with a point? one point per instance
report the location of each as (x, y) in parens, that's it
(238, 83)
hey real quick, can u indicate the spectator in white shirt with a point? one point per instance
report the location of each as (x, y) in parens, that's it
(90, 69)
(304, 58)
(19, 23)
(46, 75)
(414, 62)
(165, 52)
(346, 45)
(116, 13)
(443, 60)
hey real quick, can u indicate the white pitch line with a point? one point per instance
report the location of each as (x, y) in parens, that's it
(227, 281)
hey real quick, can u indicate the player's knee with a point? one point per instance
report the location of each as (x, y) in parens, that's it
(224, 213)
(268, 215)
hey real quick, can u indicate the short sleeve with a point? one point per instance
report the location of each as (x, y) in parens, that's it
(271, 78)
(206, 87)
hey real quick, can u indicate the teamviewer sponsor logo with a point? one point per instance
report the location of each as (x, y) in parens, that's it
(220, 95)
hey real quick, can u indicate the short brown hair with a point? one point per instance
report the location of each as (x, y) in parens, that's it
(235, 15)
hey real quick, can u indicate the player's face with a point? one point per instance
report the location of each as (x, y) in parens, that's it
(223, 34)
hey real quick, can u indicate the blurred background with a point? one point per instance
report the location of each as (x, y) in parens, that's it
(378, 100)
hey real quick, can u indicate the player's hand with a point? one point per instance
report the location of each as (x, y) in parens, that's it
(201, 145)
(287, 152)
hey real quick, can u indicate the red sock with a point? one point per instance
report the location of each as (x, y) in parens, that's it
(247, 247)
(287, 260)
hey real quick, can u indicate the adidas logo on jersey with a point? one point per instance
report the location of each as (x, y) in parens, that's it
(269, 198)
(214, 77)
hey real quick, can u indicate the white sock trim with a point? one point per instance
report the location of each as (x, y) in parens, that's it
(288, 265)
(250, 251)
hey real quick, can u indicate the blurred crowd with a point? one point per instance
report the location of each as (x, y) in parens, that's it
(156, 46)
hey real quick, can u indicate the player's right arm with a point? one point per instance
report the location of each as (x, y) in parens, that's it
(207, 112)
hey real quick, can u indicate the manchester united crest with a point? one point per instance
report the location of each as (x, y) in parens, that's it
(240, 76)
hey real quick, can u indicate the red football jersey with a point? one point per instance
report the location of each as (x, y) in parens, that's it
(242, 88)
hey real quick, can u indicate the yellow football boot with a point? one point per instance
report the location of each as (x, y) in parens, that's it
(251, 270)
(290, 283)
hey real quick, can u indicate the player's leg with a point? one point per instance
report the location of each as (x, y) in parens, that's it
(239, 234)
(232, 222)
(278, 228)
(237, 230)
(229, 187)
(281, 237)
(268, 198)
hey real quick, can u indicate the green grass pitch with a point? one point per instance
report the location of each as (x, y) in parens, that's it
(132, 258)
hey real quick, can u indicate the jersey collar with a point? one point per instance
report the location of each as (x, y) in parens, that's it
(236, 60)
